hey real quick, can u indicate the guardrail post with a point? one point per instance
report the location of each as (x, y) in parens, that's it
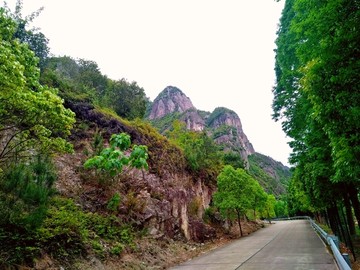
(346, 258)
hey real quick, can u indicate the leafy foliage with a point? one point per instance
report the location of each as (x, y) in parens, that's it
(32, 117)
(234, 159)
(126, 99)
(81, 80)
(112, 159)
(272, 176)
(269, 207)
(25, 190)
(317, 97)
(281, 208)
(65, 233)
(36, 40)
(200, 151)
(237, 192)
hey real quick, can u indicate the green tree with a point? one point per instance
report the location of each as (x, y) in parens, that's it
(269, 207)
(235, 192)
(128, 100)
(36, 40)
(234, 159)
(317, 97)
(25, 190)
(281, 208)
(90, 78)
(202, 154)
(32, 117)
(260, 197)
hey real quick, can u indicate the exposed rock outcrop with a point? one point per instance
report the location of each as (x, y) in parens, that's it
(227, 130)
(193, 120)
(170, 100)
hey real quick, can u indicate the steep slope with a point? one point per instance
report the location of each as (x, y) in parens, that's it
(225, 127)
(271, 174)
(158, 199)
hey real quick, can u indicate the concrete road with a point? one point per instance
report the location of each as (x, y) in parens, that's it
(285, 245)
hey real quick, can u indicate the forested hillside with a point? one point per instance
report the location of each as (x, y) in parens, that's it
(271, 174)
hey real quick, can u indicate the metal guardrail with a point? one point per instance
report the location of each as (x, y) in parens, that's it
(330, 239)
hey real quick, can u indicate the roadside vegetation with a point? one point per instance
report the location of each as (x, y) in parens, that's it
(316, 97)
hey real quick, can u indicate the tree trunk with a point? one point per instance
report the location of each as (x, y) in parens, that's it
(332, 219)
(349, 215)
(355, 201)
(238, 216)
(268, 214)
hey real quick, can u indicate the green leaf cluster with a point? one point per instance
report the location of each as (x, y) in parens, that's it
(238, 193)
(201, 153)
(112, 159)
(32, 117)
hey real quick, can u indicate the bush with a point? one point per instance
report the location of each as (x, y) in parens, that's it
(25, 190)
(66, 232)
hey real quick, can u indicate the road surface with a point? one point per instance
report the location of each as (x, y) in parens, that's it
(285, 245)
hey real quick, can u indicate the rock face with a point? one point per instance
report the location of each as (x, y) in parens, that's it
(222, 124)
(166, 199)
(170, 100)
(193, 120)
(227, 130)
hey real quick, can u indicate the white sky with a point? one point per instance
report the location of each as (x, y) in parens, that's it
(219, 53)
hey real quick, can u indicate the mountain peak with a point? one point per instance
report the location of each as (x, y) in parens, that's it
(227, 130)
(170, 100)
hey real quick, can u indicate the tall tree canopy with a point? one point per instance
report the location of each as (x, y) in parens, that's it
(238, 192)
(35, 39)
(317, 95)
(31, 116)
(82, 80)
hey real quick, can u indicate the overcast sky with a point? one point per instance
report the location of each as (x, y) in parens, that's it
(219, 53)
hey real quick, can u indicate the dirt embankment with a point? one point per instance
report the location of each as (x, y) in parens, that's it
(151, 254)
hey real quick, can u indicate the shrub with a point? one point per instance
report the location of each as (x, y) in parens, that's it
(66, 232)
(111, 160)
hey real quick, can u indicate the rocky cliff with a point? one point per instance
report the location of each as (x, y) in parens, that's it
(226, 129)
(166, 199)
(222, 124)
(170, 100)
